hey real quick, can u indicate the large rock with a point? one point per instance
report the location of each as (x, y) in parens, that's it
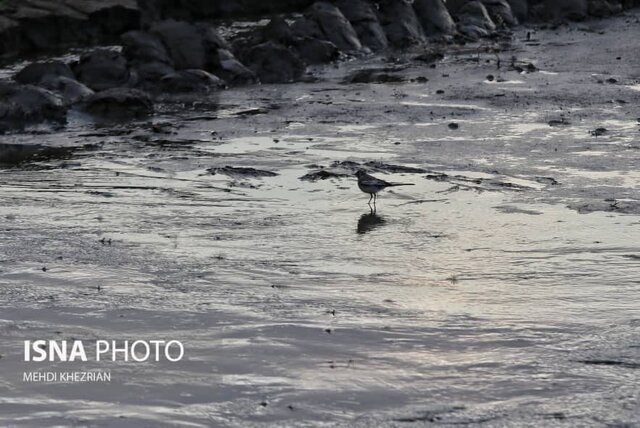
(278, 30)
(184, 43)
(602, 8)
(274, 63)
(500, 12)
(520, 9)
(71, 90)
(400, 23)
(119, 103)
(306, 27)
(190, 81)
(336, 28)
(474, 20)
(434, 17)
(24, 104)
(558, 10)
(35, 72)
(365, 21)
(149, 73)
(199, 10)
(103, 69)
(143, 47)
(231, 69)
(37, 25)
(316, 51)
(212, 41)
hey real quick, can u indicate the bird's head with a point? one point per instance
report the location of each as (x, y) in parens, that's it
(360, 173)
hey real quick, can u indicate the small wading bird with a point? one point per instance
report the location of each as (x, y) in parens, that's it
(371, 185)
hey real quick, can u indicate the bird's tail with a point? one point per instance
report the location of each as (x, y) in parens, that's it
(401, 184)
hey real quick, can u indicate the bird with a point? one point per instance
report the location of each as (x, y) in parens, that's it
(371, 185)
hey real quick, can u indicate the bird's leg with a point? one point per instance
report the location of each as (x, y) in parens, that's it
(370, 197)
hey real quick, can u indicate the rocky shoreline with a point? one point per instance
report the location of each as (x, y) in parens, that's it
(170, 50)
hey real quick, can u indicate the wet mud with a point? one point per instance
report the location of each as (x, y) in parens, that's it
(500, 290)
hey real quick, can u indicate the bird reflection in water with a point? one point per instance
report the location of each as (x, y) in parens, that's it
(369, 221)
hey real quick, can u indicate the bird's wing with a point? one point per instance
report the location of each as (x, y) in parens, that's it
(369, 180)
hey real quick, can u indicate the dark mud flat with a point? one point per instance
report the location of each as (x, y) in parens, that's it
(501, 290)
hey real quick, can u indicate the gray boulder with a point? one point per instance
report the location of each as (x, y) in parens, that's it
(143, 47)
(24, 104)
(71, 90)
(149, 73)
(336, 28)
(38, 25)
(274, 63)
(434, 17)
(231, 69)
(520, 9)
(365, 21)
(190, 81)
(500, 12)
(103, 69)
(35, 72)
(602, 8)
(119, 103)
(315, 51)
(400, 23)
(278, 30)
(474, 20)
(184, 43)
(559, 10)
(306, 27)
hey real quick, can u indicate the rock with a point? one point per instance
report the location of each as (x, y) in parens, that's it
(434, 17)
(557, 10)
(119, 103)
(400, 23)
(314, 51)
(151, 72)
(103, 69)
(430, 56)
(143, 47)
(520, 9)
(190, 81)
(305, 27)
(184, 43)
(212, 43)
(323, 175)
(231, 70)
(602, 8)
(37, 25)
(336, 28)
(71, 90)
(278, 30)
(10, 36)
(500, 12)
(474, 21)
(241, 171)
(200, 10)
(274, 63)
(24, 104)
(35, 72)
(374, 75)
(365, 21)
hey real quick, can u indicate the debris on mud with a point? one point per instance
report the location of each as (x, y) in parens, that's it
(341, 169)
(239, 171)
(375, 75)
(480, 184)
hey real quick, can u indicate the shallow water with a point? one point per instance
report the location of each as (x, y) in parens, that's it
(479, 296)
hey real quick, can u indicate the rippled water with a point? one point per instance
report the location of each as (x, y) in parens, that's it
(482, 297)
